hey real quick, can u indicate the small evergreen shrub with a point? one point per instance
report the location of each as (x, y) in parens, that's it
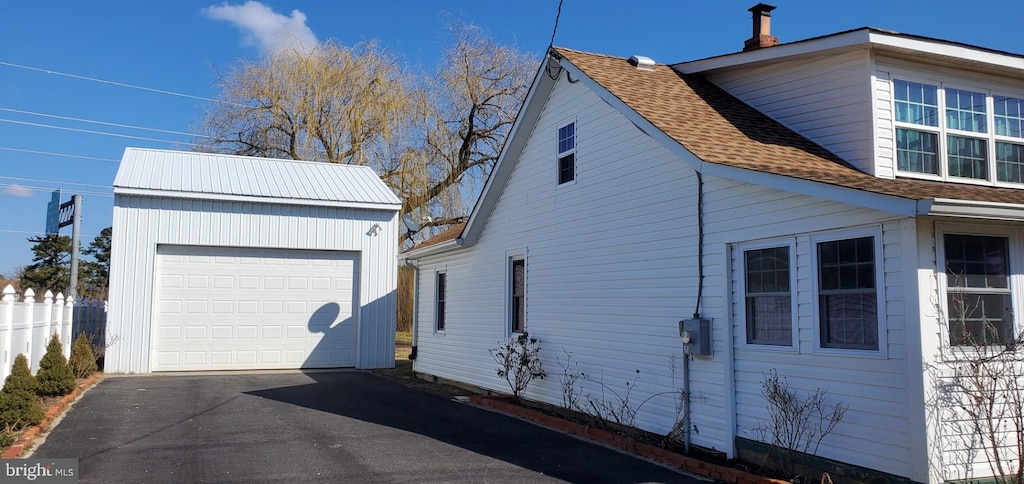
(21, 378)
(19, 409)
(7, 437)
(83, 360)
(19, 405)
(55, 376)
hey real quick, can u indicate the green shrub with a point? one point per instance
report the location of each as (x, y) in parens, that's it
(19, 409)
(83, 360)
(7, 437)
(21, 378)
(55, 376)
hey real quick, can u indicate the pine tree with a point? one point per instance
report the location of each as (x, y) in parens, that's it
(19, 405)
(83, 360)
(21, 378)
(55, 375)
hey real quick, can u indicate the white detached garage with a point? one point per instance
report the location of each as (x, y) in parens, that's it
(225, 262)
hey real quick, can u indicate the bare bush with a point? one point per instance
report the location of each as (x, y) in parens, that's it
(980, 387)
(518, 360)
(796, 423)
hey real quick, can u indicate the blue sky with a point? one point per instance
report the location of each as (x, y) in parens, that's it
(181, 45)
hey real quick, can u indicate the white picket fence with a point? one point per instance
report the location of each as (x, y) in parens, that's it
(26, 326)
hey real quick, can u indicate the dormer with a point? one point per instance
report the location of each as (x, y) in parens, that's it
(890, 104)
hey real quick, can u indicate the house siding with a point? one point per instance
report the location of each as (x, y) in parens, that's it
(825, 98)
(612, 267)
(149, 221)
(875, 429)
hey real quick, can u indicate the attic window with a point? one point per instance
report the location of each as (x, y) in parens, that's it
(958, 134)
(567, 153)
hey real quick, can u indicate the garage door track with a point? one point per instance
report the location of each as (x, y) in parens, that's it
(345, 426)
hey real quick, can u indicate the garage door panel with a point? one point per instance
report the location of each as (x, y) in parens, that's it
(234, 308)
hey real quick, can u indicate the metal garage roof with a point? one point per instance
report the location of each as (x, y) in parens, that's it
(183, 174)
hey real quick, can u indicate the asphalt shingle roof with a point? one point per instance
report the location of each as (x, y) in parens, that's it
(719, 128)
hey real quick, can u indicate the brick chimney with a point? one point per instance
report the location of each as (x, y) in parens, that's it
(762, 37)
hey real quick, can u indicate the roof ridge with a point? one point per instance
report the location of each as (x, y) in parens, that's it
(248, 157)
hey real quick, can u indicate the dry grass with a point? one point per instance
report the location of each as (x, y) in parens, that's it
(403, 338)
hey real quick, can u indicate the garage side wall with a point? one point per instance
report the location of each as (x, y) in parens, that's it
(141, 223)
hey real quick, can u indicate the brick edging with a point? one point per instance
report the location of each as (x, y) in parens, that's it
(30, 433)
(689, 464)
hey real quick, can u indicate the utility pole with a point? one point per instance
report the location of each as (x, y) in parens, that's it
(76, 228)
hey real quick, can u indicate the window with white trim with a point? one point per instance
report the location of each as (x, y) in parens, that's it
(767, 293)
(441, 299)
(979, 306)
(958, 134)
(517, 294)
(567, 153)
(847, 293)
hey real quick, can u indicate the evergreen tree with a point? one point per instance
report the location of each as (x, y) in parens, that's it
(19, 405)
(21, 378)
(83, 360)
(55, 375)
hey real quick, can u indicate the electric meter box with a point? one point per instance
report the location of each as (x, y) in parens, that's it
(697, 334)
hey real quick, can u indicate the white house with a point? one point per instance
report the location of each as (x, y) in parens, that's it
(229, 262)
(810, 199)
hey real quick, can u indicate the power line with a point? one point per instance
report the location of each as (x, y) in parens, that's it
(50, 189)
(89, 131)
(37, 232)
(120, 84)
(50, 153)
(555, 29)
(104, 123)
(54, 181)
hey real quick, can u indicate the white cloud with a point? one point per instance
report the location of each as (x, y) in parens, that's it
(18, 191)
(266, 28)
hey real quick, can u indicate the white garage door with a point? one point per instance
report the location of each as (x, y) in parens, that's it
(223, 308)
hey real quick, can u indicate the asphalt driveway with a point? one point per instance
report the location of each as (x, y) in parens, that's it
(346, 426)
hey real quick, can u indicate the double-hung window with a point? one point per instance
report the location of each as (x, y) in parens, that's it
(978, 301)
(567, 153)
(768, 301)
(847, 293)
(952, 133)
(441, 288)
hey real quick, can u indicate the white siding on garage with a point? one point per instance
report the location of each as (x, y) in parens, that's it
(229, 308)
(825, 98)
(141, 223)
(612, 268)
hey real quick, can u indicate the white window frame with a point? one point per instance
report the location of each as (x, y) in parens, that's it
(510, 256)
(879, 260)
(1015, 245)
(741, 250)
(438, 317)
(560, 154)
(943, 131)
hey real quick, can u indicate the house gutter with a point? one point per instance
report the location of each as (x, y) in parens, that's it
(945, 207)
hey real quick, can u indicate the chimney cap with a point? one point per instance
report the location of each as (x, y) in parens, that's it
(761, 7)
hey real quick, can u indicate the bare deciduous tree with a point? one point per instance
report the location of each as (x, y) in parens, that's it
(329, 104)
(433, 137)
